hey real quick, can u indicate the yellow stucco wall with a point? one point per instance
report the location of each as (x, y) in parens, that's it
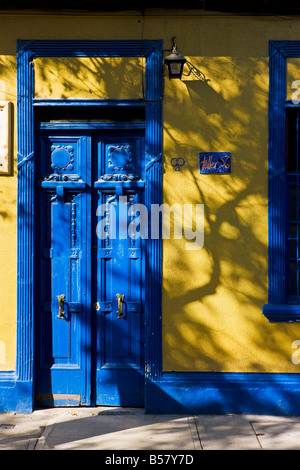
(8, 229)
(212, 297)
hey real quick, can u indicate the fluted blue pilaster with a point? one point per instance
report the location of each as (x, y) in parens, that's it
(277, 94)
(153, 141)
(25, 299)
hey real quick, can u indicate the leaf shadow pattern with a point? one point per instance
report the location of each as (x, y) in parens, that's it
(212, 298)
(93, 77)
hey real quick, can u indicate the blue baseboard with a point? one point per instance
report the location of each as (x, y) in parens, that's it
(191, 393)
(224, 393)
(281, 313)
(15, 395)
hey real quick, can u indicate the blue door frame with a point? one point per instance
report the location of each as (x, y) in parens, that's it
(28, 50)
(89, 354)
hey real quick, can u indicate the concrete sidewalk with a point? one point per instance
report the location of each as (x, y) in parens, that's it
(118, 429)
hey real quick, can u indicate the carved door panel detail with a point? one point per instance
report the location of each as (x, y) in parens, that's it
(88, 354)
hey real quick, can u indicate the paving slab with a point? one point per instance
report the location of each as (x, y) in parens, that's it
(227, 433)
(18, 432)
(97, 429)
(123, 429)
(284, 435)
(111, 432)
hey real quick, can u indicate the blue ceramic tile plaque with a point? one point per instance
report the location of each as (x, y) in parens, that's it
(215, 162)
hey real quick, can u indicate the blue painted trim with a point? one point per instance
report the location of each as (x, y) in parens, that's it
(38, 102)
(113, 185)
(192, 393)
(72, 185)
(287, 49)
(91, 125)
(27, 50)
(282, 313)
(277, 93)
(87, 48)
(224, 393)
(14, 394)
(25, 235)
(290, 104)
(153, 195)
(277, 308)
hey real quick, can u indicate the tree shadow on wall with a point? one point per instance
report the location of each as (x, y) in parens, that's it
(212, 298)
(88, 78)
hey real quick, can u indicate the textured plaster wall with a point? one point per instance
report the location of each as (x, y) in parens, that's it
(212, 297)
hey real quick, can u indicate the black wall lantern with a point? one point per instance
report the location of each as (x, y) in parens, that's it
(175, 63)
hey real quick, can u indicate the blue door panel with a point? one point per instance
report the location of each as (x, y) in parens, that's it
(61, 281)
(120, 270)
(61, 375)
(90, 355)
(120, 389)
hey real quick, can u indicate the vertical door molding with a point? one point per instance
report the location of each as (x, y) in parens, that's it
(27, 50)
(153, 195)
(25, 224)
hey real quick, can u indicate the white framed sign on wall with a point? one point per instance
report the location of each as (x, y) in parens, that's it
(5, 137)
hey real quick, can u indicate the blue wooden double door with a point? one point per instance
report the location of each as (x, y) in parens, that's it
(90, 268)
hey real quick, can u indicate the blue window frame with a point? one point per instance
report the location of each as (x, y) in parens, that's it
(293, 205)
(283, 191)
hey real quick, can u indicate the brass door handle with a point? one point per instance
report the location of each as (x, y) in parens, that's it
(61, 313)
(120, 299)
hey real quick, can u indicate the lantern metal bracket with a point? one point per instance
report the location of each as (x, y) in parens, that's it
(175, 62)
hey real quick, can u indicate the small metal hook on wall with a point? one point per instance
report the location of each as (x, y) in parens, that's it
(177, 163)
